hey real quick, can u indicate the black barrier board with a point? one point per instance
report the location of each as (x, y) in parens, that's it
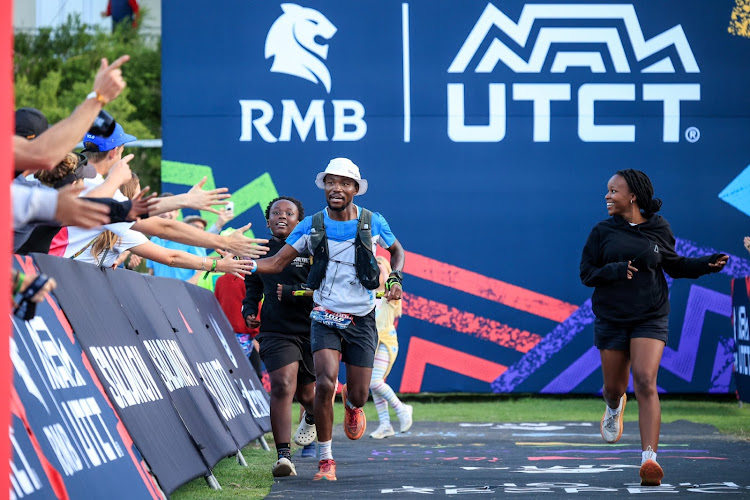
(183, 384)
(121, 364)
(28, 477)
(740, 311)
(196, 340)
(75, 434)
(243, 373)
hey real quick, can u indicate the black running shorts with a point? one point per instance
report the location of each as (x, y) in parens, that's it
(616, 337)
(278, 350)
(356, 343)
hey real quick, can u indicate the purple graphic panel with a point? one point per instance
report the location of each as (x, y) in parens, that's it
(681, 361)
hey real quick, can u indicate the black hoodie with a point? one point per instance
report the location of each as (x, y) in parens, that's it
(291, 314)
(650, 249)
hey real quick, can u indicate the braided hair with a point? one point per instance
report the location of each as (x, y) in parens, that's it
(298, 204)
(640, 185)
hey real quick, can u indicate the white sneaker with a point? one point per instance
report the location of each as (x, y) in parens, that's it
(611, 426)
(383, 431)
(283, 467)
(404, 418)
(306, 433)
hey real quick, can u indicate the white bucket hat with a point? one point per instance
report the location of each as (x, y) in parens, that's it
(345, 168)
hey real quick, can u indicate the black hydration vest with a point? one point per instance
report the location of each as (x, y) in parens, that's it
(367, 268)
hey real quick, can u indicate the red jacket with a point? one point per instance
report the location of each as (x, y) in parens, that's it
(230, 291)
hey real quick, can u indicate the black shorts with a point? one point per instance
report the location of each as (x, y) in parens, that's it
(278, 350)
(614, 336)
(356, 343)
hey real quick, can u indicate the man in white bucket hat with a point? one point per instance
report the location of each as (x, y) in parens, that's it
(344, 275)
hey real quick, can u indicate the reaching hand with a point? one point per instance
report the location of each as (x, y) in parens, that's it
(236, 267)
(74, 211)
(747, 243)
(199, 199)
(223, 218)
(108, 81)
(241, 245)
(120, 171)
(140, 205)
(719, 263)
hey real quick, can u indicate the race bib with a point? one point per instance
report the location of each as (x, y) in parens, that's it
(330, 318)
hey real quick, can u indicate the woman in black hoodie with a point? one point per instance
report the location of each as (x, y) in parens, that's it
(624, 259)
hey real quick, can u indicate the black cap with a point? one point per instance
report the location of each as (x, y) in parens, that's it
(30, 122)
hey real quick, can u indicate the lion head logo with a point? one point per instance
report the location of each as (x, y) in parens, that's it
(291, 43)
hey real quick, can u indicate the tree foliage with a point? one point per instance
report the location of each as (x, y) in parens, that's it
(54, 71)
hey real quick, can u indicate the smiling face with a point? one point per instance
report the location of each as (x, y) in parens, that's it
(282, 218)
(340, 191)
(619, 197)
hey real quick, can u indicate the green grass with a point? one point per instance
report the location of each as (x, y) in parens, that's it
(254, 481)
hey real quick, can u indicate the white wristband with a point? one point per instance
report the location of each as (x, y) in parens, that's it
(255, 266)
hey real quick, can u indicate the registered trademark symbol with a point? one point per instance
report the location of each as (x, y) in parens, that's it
(692, 134)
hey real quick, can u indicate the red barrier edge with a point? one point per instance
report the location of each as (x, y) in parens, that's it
(6, 167)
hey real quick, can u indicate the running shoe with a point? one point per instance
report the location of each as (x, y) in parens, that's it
(283, 468)
(611, 426)
(309, 451)
(306, 433)
(326, 470)
(651, 473)
(383, 431)
(404, 418)
(355, 422)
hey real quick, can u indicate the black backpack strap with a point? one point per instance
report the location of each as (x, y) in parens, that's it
(364, 227)
(319, 251)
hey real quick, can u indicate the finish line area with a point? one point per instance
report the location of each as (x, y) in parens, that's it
(555, 459)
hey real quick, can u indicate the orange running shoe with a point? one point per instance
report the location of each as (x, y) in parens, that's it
(326, 470)
(355, 422)
(651, 473)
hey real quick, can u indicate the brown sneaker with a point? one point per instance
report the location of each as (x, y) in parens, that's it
(355, 422)
(651, 473)
(326, 470)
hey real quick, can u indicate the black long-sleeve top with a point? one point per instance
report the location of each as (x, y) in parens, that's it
(290, 315)
(650, 249)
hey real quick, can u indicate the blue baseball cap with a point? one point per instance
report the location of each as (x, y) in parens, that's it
(117, 138)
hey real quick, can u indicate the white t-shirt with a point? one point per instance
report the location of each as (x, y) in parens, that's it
(129, 240)
(341, 290)
(72, 240)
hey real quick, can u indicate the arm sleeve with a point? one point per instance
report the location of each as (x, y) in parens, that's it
(253, 294)
(300, 235)
(593, 273)
(32, 204)
(678, 266)
(118, 210)
(382, 230)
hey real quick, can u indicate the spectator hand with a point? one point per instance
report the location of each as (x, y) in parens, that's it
(141, 206)
(249, 248)
(747, 243)
(223, 218)
(108, 81)
(120, 171)
(251, 322)
(236, 267)
(135, 261)
(74, 211)
(42, 293)
(199, 199)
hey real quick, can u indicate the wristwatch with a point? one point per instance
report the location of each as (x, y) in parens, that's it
(398, 275)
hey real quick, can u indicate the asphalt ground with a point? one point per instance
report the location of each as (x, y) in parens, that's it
(539, 460)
